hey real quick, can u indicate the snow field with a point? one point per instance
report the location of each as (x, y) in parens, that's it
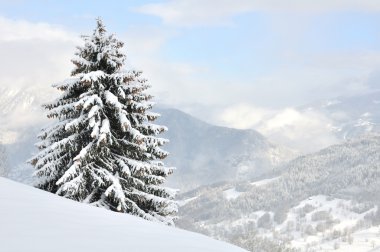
(36, 221)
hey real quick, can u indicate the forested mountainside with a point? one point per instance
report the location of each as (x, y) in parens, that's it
(345, 176)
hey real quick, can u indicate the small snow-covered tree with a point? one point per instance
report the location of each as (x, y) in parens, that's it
(104, 149)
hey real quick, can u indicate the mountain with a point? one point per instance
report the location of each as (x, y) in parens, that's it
(206, 154)
(36, 220)
(21, 117)
(202, 153)
(351, 116)
(317, 201)
(20, 108)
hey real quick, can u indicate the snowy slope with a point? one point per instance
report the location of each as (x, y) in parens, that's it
(34, 220)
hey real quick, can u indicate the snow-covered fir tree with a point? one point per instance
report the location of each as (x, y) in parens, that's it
(104, 149)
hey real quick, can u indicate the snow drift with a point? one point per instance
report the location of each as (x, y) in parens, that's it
(34, 220)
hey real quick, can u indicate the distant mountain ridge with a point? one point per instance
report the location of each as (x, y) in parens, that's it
(205, 154)
(351, 116)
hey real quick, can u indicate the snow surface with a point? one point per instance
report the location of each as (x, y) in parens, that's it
(33, 220)
(264, 181)
(367, 239)
(231, 193)
(341, 216)
(184, 202)
(339, 209)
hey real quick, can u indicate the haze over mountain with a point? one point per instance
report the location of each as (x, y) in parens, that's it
(351, 116)
(205, 154)
(313, 126)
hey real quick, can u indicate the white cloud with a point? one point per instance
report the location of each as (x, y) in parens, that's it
(195, 12)
(34, 54)
(244, 116)
(305, 131)
(145, 41)
(177, 83)
(21, 30)
(216, 12)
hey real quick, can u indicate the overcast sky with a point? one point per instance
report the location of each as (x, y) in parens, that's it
(230, 62)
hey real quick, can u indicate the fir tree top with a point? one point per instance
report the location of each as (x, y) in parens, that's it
(100, 52)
